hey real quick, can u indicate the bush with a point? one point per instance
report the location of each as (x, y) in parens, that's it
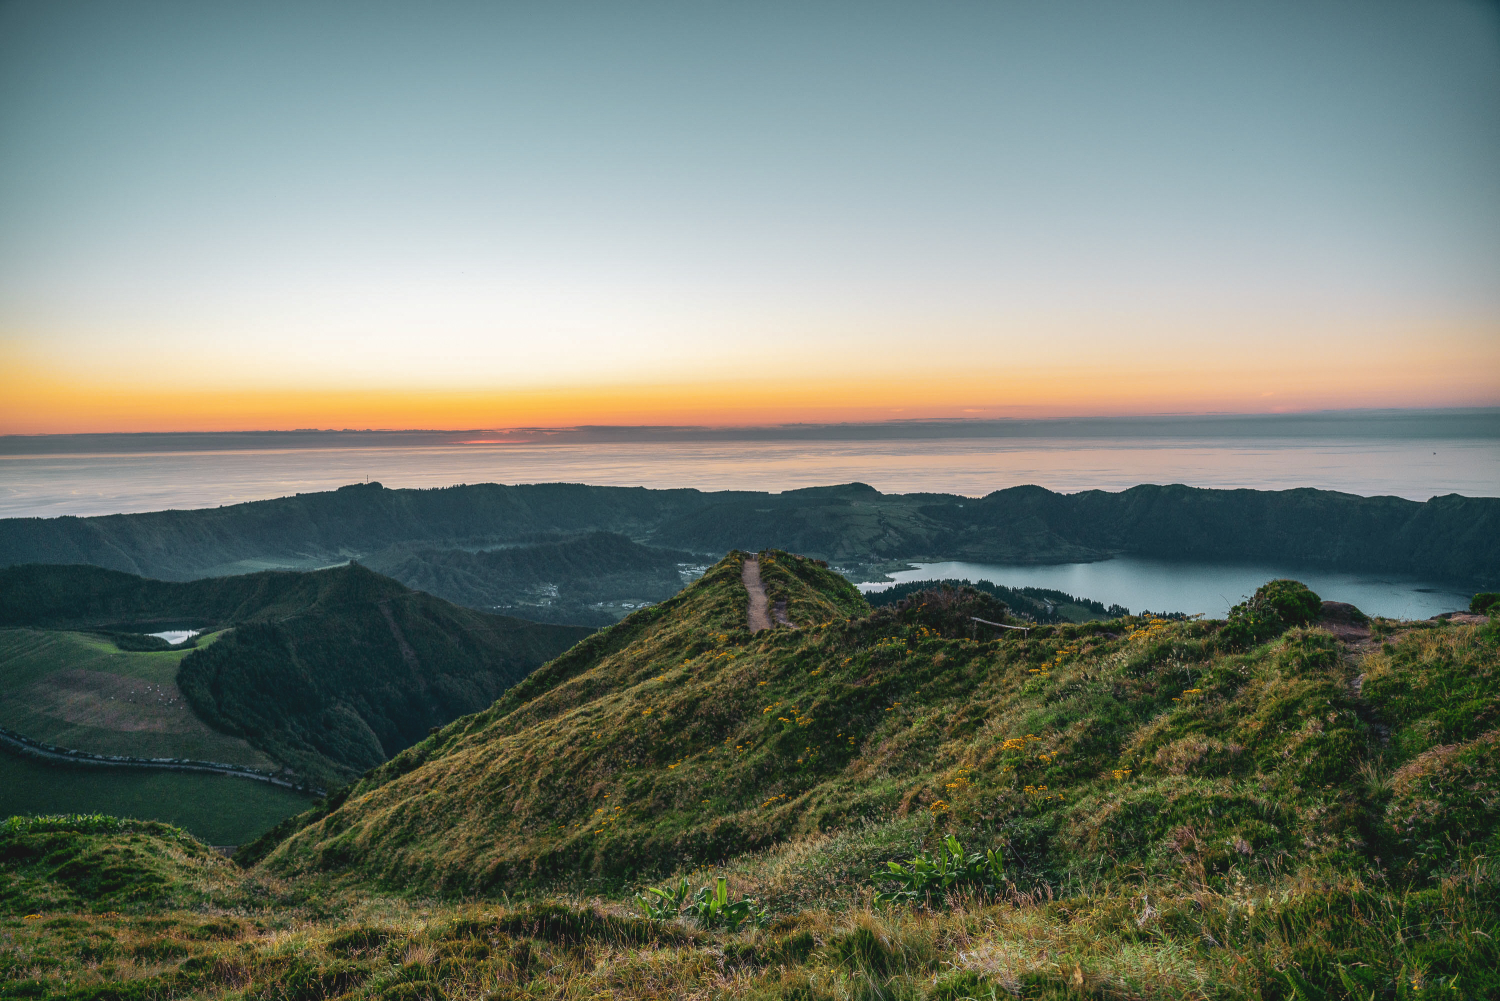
(1485, 602)
(1275, 607)
(947, 611)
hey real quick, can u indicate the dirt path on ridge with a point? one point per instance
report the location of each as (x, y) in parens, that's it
(759, 613)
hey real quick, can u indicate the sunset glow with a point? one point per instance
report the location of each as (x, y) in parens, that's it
(482, 217)
(33, 400)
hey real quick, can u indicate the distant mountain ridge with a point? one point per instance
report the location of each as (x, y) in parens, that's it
(1452, 537)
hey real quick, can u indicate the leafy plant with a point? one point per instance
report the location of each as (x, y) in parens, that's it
(664, 903)
(712, 908)
(924, 877)
(1485, 601)
(1360, 985)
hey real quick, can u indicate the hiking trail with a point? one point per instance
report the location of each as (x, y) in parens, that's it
(759, 614)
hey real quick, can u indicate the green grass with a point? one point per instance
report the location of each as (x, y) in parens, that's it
(174, 923)
(326, 673)
(1132, 749)
(98, 862)
(29, 655)
(77, 690)
(1179, 816)
(219, 809)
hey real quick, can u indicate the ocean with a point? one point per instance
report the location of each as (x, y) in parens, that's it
(1412, 456)
(1416, 456)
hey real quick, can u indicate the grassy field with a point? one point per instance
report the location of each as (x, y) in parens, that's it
(78, 690)
(219, 809)
(1295, 804)
(103, 911)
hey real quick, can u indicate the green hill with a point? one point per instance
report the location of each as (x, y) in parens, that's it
(98, 862)
(329, 673)
(1451, 538)
(1295, 803)
(1089, 752)
(81, 691)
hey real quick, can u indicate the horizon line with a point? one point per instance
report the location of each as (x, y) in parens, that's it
(891, 422)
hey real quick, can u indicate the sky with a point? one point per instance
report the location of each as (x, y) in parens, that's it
(220, 216)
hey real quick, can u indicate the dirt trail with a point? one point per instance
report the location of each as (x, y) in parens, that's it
(759, 616)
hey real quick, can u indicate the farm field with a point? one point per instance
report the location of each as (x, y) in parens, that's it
(216, 809)
(78, 690)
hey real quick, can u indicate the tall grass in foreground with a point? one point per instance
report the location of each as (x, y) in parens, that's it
(1147, 942)
(206, 930)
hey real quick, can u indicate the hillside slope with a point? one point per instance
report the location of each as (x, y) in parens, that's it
(79, 690)
(1093, 753)
(328, 672)
(1454, 538)
(591, 580)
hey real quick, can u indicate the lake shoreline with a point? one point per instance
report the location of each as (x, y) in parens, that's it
(1209, 587)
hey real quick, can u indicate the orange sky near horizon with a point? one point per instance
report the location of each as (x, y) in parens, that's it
(34, 400)
(484, 216)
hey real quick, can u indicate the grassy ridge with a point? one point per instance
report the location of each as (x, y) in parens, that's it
(600, 702)
(1102, 752)
(95, 861)
(1249, 810)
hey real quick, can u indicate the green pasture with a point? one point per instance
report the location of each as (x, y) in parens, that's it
(78, 690)
(29, 655)
(218, 809)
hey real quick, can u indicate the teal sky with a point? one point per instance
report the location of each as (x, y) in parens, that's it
(326, 195)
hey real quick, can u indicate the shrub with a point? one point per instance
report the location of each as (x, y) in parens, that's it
(1275, 607)
(1485, 602)
(947, 611)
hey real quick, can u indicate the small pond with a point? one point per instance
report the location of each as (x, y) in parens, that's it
(176, 636)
